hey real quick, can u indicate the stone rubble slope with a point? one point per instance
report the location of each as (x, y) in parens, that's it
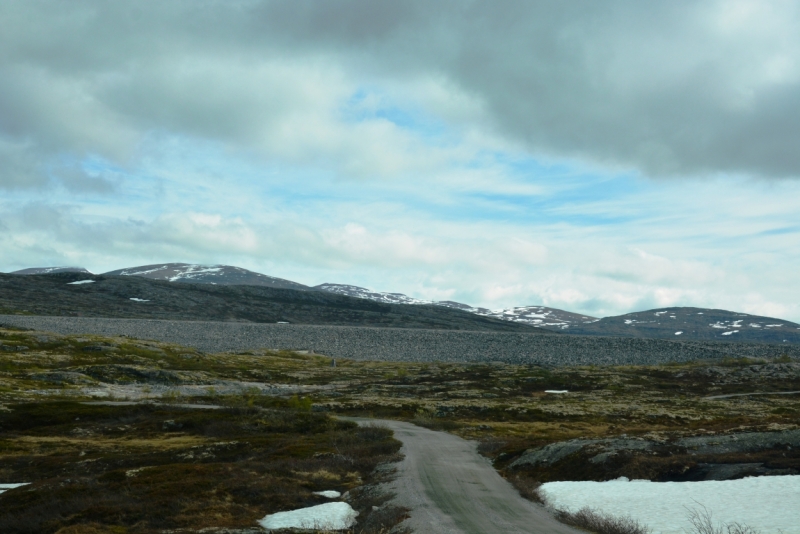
(412, 345)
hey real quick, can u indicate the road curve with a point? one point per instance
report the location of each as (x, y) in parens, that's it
(451, 489)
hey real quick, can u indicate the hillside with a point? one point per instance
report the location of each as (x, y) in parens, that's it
(51, 270)
(75, 294)
(542, 316)
(677, 323)
(693, 324)
(206, 274)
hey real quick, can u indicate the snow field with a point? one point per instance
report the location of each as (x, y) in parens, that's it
(768, 504)
(330, 516)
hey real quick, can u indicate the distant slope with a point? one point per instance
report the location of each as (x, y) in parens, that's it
(75, 294)
(551, 318)
(206, 274)
(693, 324)
(364, 293)
(663, 323)
(50, 270)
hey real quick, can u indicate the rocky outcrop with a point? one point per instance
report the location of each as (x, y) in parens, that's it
(600, 455)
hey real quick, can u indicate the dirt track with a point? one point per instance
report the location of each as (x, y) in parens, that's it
(451, 489)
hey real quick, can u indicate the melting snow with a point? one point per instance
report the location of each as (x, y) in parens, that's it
(729, 333)
(558, 391)
(139, 300)
(6, 487)
(79, 282)
(330, 494)
(768, 504)
(331, 516)
(773, 325)
(678, 333)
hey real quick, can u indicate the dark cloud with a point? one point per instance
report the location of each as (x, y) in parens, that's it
(669, 88)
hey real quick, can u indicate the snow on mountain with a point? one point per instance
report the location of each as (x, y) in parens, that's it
(694, 323)
(363, 293)
(49, 270)
(542, 316)
(206, 274)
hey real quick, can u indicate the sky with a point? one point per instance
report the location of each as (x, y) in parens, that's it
(598, 157)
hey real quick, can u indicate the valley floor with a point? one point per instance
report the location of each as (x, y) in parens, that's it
(274, 442)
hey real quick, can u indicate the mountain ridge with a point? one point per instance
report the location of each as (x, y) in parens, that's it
(688, 323)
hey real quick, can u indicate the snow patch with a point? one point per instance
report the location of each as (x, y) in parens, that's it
(139, 300)
(729, 333)
(556, 391)
(768, 504)
(678, 333)
(80, 282)
(331, 516)
(329, 494)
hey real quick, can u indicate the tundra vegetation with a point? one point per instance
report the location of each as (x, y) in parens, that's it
(151, 460)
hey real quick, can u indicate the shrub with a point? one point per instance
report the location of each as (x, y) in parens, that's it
(600, 523)
(301, 404)
(702, 523)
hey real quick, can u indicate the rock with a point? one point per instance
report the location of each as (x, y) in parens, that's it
(62, 377)
(550, 454)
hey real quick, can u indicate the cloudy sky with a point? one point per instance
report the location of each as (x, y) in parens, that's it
(600, 157)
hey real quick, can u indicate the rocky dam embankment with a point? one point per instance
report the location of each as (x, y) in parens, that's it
(413, 345)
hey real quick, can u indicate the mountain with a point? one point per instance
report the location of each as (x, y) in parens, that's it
(363, 293)
(541, 316)
(224, 275)
(49, 270)
(139, 297)
(664, 323)
(693, 324)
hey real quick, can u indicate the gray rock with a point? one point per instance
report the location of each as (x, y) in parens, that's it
(604, 449)
(741, 442)
(62, 377)
(550, 454)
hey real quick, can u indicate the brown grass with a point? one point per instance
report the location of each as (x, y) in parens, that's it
(600, 523)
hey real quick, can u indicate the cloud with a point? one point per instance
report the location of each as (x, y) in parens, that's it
(666, 88)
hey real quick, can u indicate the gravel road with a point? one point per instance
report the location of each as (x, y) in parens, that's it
(451, 489)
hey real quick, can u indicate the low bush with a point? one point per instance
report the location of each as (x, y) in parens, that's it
(702, 523)
(601, 523)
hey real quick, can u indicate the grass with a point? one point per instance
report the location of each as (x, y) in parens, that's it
(702, 522)
(145, 469)
(600, 523)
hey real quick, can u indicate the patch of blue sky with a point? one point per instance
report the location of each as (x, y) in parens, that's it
(370, 103)
(779, 231)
